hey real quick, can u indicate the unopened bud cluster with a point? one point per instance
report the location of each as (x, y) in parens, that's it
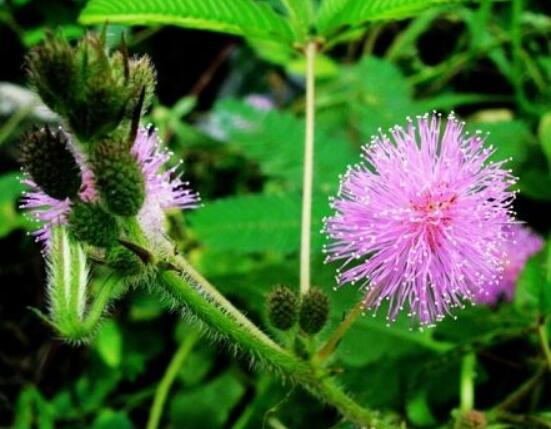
(285, 309)
(100, 97)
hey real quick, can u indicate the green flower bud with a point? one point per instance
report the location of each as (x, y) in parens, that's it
(53, 72)
(51, 164)
(125, 262)
(94, 89)
(74, 313)
(119, 179)
(93, 225)
(282, 308)
(314, 311)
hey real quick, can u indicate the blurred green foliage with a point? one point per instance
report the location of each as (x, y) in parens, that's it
(246, 159)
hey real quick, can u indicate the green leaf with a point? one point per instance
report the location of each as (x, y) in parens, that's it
(247, 18)
(252, 223)
(339, 13)
(108, 344)
(534, 284)
(300, 13)
(275, 140)
(33, 411)
(10, 190)
(207, 406)
(109, 419)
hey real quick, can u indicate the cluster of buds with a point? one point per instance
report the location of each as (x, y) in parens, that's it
(285, 310)
(99, 178)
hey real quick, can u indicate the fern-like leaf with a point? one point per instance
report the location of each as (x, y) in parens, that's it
(334, 14)
(255, 223)
(249, 18)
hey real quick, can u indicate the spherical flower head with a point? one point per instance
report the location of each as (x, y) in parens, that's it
(419, 224)
(522, 244)
(164, 190)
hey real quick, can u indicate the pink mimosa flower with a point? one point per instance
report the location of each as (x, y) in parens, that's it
(420, 223)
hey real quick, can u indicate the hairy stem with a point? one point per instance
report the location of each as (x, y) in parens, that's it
(182, 265)
(308, 178)
(327, 350)
(468, 365)
(280, 360)
(166, 382)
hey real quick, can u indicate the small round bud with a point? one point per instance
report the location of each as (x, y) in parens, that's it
(282, 308)
(93, 225)
(314, 311)
(125, 262)
(119, 179)
(46, 156)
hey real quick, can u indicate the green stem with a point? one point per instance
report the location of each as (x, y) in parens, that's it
(544, 342)
(308, 179)
(468, 365)
(282, 361)
(327, 350)
(161, 393)
(183, 266)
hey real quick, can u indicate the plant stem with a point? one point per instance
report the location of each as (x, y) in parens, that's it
(166, 382)
(308, 179)
(468, 365)
(183, 266)
(282, 361)
(544, 342)
(337, 335)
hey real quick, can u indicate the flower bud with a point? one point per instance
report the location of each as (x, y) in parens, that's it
(314, 311)
(93, 225)
(119, 179)
(53, 72)
(282, 308)
(93, 89)
(46, 157)
(73, 313)
(124, 262)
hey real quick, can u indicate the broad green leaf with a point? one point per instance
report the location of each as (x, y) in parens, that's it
(300, 13)
(108, 343)
(252, 19)
(340, 13)
(207, 406)
(252, 223)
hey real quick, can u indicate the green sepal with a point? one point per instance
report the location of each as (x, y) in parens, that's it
(90, 223)
(74, 313)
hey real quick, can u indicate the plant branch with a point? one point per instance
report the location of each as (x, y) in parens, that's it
(468, 365)
(308, 179)
(327, 350)
(214, 317)
(521, 392)
(169, 376)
